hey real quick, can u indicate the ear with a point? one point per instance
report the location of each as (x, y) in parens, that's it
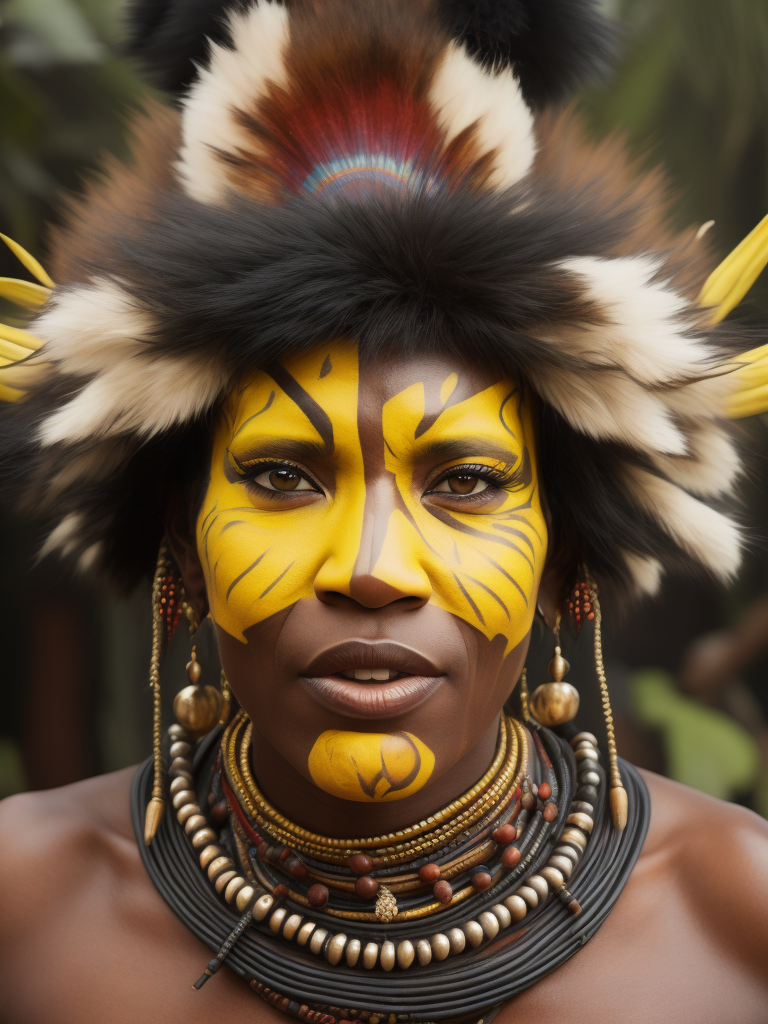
(551, 593)
(180, 535)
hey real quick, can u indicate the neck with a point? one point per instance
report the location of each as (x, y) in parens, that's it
(306, 805)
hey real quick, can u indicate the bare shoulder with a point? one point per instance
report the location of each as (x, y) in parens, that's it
(57, 841)
(715, 854)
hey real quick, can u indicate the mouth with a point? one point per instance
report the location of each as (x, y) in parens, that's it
(360, 679)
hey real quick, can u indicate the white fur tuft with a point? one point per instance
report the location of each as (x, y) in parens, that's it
(464, 93)
(92, 328)
(645, 572)
(62, 538)
(145, 395)
(647, 332)
(711, 468)
(234, 80)
(609, 406)
(707, 535)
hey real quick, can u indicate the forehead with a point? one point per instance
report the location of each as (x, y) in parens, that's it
(330, 386)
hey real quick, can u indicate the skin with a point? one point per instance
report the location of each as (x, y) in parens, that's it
(85, 937)
(334, 512)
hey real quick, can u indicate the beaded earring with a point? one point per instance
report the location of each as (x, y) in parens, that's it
(197, 707)
(555, 702)
(616, 793)
(167, 599)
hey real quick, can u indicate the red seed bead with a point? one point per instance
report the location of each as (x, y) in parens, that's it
(443, 891)
(279, 891)
(481, 880)
(219, 812)
(516, 794)
(317, 895)
(510, 857)
(286, 853)
(550, 812)
(366, 887)
(429, 873)
(295, 868)
(545, 791)
(360, 863)
(505, 834)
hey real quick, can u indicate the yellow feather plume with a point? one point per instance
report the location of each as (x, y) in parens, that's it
(724, 289)
(17, 344)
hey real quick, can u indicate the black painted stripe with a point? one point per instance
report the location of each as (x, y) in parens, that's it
(244, 573)
(275, 582)
(468, 596)
(316, 415)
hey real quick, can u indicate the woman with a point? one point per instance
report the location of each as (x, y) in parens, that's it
(379, 357)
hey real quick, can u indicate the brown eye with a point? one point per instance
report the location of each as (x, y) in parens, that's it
(462, 483)
(284, 479)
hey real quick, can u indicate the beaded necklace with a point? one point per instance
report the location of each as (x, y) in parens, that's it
(336, 930)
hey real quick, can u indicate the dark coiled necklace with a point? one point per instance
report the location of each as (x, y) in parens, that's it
(545, 885)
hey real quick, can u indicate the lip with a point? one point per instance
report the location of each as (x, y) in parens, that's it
(421, 677)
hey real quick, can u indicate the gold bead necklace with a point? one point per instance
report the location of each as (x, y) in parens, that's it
(495, 789)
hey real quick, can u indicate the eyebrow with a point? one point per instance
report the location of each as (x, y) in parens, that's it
(461, 448)
(282, 448)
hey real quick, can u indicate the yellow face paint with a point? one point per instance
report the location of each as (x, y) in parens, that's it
(323, 476)
(370, 767)
(485, 560)
(261, 550)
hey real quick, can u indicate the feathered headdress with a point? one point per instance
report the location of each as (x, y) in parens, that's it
(391, 172)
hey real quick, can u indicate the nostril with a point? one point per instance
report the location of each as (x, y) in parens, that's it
(332, 596)
(372, 592)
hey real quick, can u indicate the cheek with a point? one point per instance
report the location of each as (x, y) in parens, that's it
(257, 563)
(370, 767)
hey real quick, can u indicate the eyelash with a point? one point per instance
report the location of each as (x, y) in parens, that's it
(497, 477)
(251, 469)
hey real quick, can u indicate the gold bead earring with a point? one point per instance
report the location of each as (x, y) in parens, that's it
(524, 699)
(616, 794)
(197, 707)
(555, 702)
(167, 598)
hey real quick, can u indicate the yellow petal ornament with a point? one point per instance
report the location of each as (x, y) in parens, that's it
(17, 344)
(724, 289)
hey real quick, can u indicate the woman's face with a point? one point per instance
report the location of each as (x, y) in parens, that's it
(372, 541)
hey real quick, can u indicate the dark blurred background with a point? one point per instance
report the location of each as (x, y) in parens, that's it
(687, 674)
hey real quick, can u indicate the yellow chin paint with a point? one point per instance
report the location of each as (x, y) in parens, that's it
(370, 767)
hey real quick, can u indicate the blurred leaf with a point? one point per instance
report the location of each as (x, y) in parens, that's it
(49, 33)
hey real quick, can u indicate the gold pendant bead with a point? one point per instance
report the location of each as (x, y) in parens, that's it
(152, 818)
(198, 708)
(193, 668)
(554, 703)
(618, 800)
(558, 667)
(386, 905)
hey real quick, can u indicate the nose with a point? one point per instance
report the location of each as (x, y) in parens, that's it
(387, 565)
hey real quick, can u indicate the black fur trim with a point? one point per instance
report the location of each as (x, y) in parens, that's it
(471, 273)
(168, 39)
(553, 45)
